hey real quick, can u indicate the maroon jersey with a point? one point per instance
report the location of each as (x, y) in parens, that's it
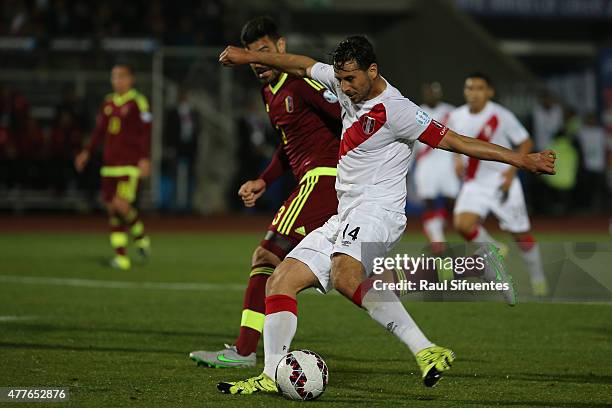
(124, 124)
(307, 118)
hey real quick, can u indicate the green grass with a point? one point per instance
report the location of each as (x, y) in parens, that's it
(128, 347)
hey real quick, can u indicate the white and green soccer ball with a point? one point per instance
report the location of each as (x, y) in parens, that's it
(301, 375)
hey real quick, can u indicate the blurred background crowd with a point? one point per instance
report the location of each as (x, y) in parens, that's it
(211, 132)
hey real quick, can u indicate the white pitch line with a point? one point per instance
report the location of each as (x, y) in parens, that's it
(16, 318)
(108, 284)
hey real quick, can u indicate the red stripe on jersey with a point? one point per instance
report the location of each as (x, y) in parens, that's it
(365, 127)
(485, 134)
(433, 134)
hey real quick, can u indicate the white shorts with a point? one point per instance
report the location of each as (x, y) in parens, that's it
(364, 233)
(433, 180)
(479, 199)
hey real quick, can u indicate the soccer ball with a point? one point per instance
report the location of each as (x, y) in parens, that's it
(301, 375)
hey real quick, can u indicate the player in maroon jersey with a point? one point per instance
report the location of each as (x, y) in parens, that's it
(124, 126)
(307, 119)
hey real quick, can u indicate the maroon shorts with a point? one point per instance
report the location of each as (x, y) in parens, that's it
(124, 187)
(308, 207)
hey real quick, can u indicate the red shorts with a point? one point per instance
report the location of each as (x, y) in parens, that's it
(115, 184)
(308, 207)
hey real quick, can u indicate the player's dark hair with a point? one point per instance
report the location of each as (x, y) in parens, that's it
(480, 75)
(126, 65)
(355, 48)
(258, 28)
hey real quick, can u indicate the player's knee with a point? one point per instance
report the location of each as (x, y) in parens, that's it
(263, 256)
(276, 282)
(463, 225)
(347, 274)
(121, 206)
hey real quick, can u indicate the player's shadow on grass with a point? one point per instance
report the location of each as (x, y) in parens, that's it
(38, 346)
(361, 359)
(523, 403)
(119, 330)
(390, 396)
(550, 378)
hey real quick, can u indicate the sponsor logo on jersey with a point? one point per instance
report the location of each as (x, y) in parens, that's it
(368, 125)
(329, 96)
(422, 118)
(289, 104)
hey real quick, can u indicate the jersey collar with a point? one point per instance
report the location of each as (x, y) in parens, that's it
(281, 80)
(119, 100)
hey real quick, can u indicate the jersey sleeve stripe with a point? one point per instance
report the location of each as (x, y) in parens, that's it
(314, 84)
(433, 134)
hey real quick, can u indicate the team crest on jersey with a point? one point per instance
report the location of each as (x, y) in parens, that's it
(422, 118)
(108, 110)
(125, 110)
(368, 125)
(289, 104)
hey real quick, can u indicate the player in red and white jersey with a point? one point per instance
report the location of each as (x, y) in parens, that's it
(307, 119)
(491, 186)
(434, 172)
(380, 128)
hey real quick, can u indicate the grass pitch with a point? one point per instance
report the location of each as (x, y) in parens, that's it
(122, 338)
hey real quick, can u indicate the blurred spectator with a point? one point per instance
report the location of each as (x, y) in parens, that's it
(14, 112)
(180, 151)
(65, 142)
(557, 191)
(592, 182)
(256, 145)
(195, 22)
(32, 162)
(72, 104)
(547, 119)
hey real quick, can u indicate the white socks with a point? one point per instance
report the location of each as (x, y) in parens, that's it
(533, 260)
(386, 309)
(434, 229)
(280, 326)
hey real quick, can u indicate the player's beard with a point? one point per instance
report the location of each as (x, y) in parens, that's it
(271, 75)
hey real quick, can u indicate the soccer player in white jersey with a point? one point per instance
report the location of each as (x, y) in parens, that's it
(380, 127)
(493, 187)
(434, 172)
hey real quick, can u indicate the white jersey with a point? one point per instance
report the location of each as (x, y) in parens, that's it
(378, 139)
(494, 124)
(425, 154)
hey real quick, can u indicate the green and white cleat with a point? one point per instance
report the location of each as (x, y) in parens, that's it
(226, 358)
(261, 383)
(120, 262)
(143, 246)
(433, 361)
(495, 271)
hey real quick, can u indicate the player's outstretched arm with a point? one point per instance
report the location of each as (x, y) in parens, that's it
(540, 162)
(298, 65)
